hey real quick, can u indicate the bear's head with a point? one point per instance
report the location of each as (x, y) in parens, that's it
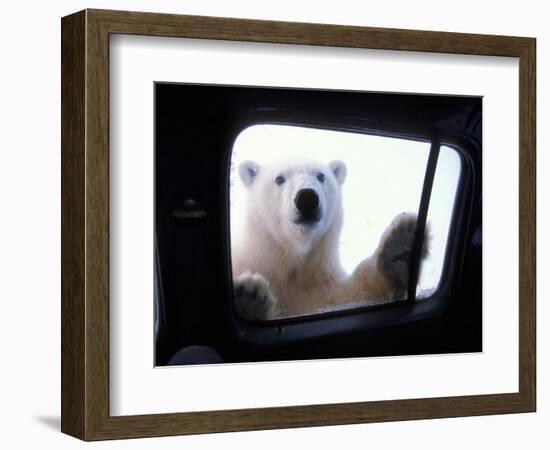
(298, 202)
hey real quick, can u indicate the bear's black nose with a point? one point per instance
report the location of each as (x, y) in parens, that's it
(306, 201)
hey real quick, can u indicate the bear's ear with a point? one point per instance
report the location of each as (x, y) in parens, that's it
(339, 170)
(248, 170)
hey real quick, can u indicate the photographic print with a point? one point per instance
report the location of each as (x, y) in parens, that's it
(298, 224)
(330, 205)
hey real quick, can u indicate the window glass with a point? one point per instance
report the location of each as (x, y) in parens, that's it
(440, 211)
(383, 178)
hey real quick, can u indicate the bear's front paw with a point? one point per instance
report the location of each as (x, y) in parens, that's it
(395, 248)
(253, 297)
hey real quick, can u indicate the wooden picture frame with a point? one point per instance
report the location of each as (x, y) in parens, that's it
(85, 224)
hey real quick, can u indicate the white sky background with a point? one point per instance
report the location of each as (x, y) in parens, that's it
(385, 177)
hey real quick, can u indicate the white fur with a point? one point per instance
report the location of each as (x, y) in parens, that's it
(283, 267)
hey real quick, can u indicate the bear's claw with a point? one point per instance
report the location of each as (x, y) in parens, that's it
(253, 297)
(395, 247)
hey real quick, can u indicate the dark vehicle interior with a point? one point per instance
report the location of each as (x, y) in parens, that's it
(195, 323)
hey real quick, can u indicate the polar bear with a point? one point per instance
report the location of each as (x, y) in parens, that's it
(288, 262)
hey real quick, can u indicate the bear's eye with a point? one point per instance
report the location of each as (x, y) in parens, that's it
(321, 177)
(280, 180)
